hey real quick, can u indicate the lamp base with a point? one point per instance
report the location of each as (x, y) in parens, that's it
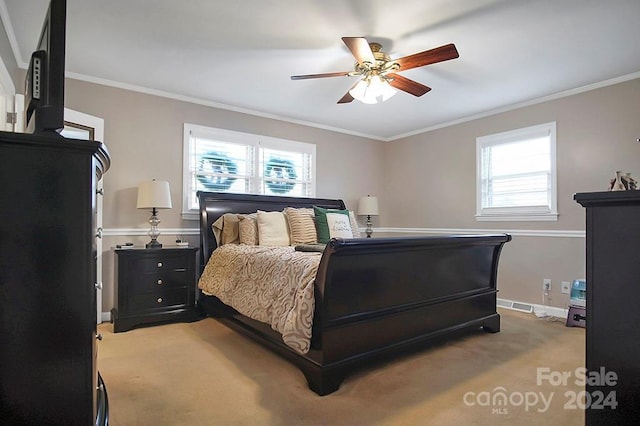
(153, 244)
(153, 232)
(369, 230)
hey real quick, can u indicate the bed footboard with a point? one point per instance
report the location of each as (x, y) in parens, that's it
(376, 297)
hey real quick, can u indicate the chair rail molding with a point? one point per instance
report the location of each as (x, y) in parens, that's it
(514, 232)
(119, 232)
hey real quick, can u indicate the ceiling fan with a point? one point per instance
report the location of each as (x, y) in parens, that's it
(379, 71)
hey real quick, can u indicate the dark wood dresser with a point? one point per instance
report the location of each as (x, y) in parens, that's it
(154, 286)
(48, 372)
(613, 317)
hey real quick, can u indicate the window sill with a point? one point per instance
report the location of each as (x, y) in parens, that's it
(192, 215)
(523, 217)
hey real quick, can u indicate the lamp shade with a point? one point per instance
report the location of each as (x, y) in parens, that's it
(154, 194)
(368, 206)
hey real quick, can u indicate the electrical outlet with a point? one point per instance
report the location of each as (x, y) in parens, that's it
(546, 284)
(565, 287)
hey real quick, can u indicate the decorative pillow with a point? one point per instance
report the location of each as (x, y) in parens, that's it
(216, 227)
(248, 229)
(225, 229)
(302, 227)
(328, 225)
(230, 230)
(354, 225)
(272, 229)
(339, 225)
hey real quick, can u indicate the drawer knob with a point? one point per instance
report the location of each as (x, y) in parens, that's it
(98, 285)
(99, 336)
(159, 264)
(159, 299)
(159, 282)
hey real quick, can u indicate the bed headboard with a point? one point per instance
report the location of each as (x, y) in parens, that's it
(215, 204)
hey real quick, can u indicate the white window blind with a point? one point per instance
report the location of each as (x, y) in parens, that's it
(285, 172)
(220, 160)
(517, 174)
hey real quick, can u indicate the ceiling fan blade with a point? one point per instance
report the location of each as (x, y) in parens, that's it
(407, 85)
(360, 49)
(439, 54)
(327, 74)
(346, 98)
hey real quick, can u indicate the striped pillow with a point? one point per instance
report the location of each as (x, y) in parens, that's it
(354, 225)
(302, 227)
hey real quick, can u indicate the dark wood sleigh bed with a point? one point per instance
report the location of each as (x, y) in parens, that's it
(374, 298)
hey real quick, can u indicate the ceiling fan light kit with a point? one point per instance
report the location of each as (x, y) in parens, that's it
(372, 89)
(378, 71)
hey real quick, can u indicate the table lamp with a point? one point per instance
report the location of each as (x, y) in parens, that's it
(154, 195)
(368, 206)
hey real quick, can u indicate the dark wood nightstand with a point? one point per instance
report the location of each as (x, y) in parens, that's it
(154, 286)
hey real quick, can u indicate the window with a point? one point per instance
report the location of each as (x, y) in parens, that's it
(516, 174)
(225, 161)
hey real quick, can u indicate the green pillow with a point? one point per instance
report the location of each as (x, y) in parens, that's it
(322, 225)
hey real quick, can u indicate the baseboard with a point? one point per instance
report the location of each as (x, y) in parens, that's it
(538, 310)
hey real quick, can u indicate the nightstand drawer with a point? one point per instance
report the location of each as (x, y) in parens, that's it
(159, 280)
(165, 263)
(159, 299)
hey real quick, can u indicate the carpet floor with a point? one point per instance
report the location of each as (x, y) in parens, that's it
(203, 373)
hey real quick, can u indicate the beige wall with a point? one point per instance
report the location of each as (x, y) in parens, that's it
(144, 135)
(9, 60)
(596, 135)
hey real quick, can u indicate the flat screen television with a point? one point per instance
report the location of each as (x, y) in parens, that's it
(44, 83)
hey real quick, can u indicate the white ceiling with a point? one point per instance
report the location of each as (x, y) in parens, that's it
(240, 54)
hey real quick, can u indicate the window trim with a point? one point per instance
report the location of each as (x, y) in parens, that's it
(242, 138)
(532, 213)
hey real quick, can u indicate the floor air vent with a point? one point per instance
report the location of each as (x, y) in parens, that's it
(516, 306)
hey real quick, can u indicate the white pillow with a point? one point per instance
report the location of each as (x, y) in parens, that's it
(339, 225)
(272, 229)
